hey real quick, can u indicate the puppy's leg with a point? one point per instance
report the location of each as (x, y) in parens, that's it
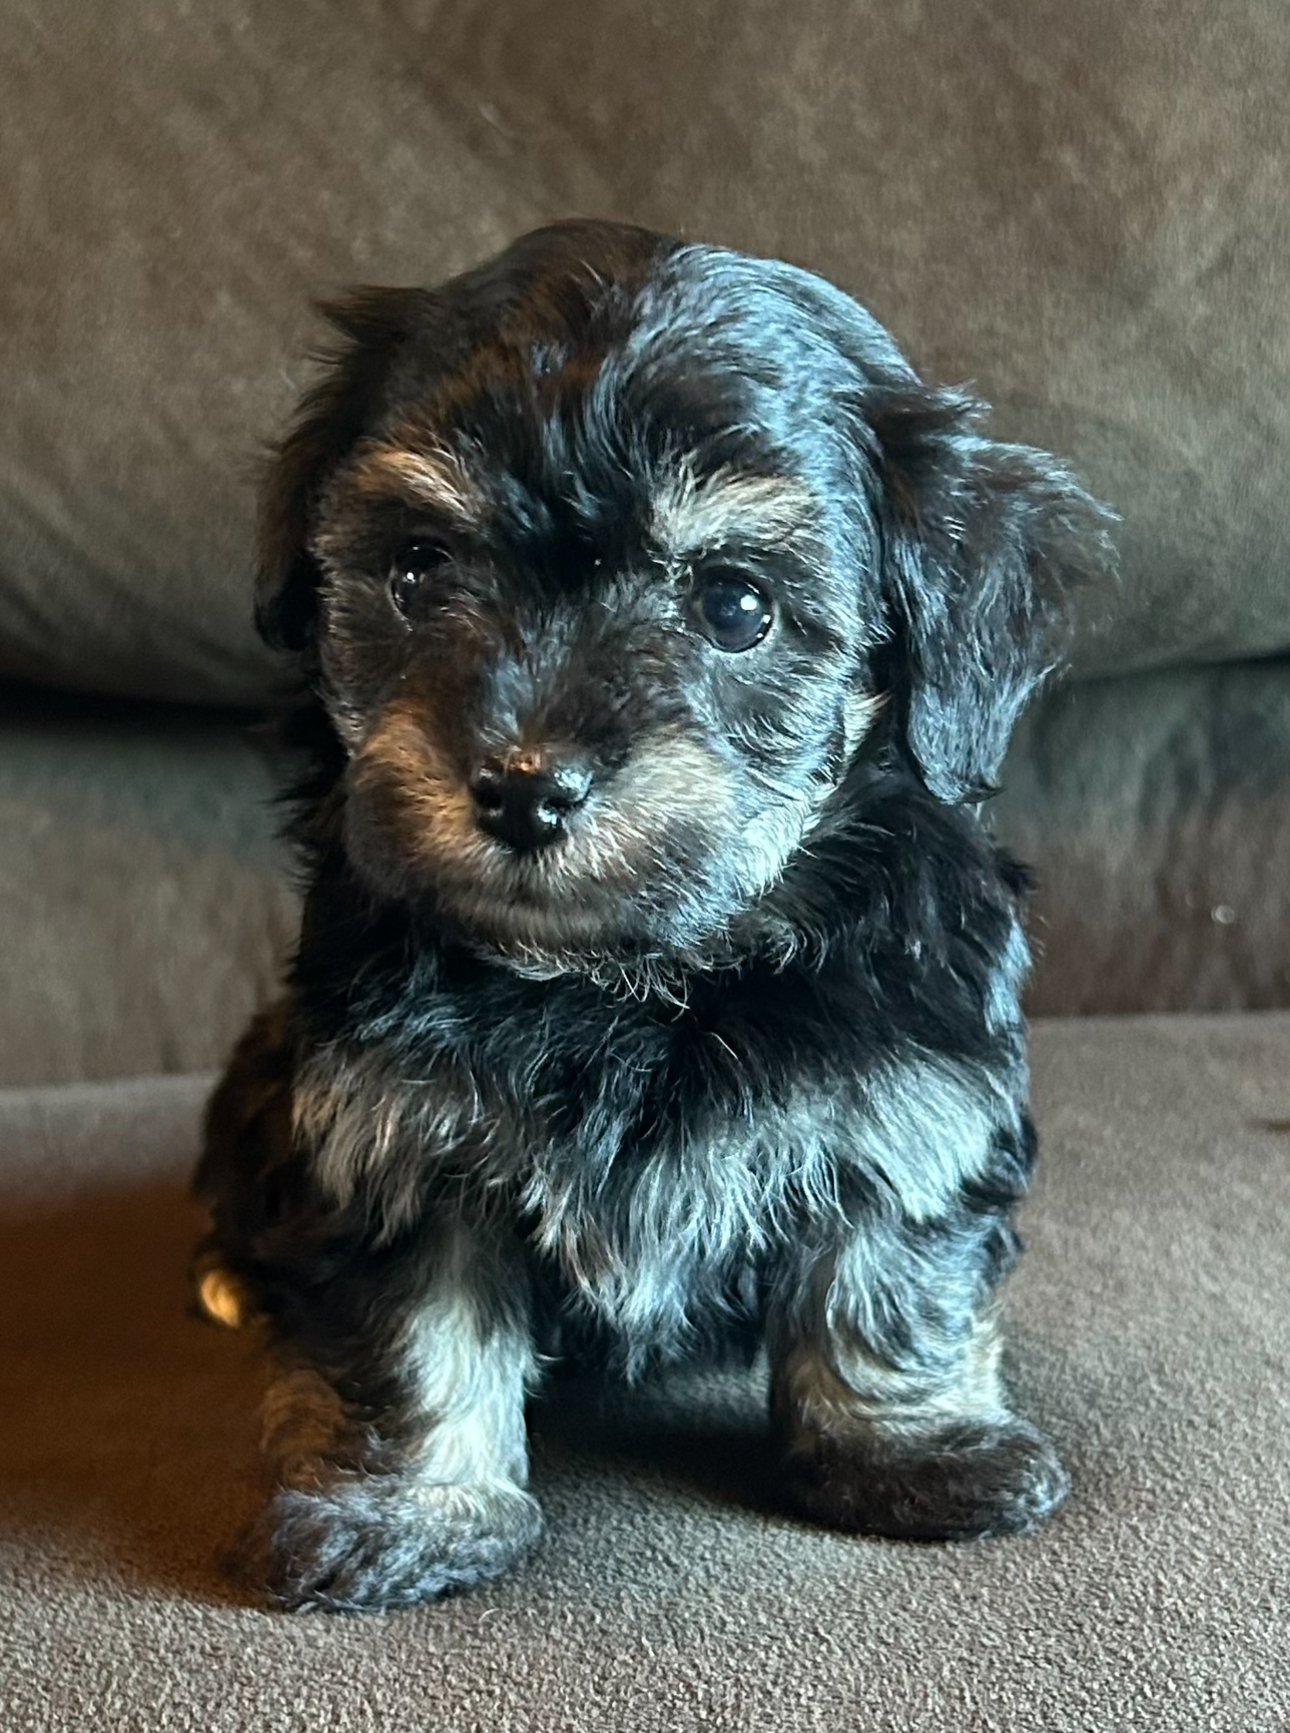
(395, 1433)
(886, 1392)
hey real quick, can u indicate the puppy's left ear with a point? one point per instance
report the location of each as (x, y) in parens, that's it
(373, 325)
(982, 544)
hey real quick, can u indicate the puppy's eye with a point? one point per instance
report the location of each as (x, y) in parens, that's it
(733, 612)
(414, 563)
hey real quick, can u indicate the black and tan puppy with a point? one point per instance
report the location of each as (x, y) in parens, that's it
(658, 980)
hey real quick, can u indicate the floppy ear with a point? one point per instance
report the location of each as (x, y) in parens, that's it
(982, 544)
(373, 324)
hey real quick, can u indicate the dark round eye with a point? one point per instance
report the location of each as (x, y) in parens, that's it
(733, 612)
(409, 569)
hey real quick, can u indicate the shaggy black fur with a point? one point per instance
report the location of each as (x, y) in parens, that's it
(658, 980)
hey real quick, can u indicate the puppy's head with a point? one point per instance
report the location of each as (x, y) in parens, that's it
(608, 558)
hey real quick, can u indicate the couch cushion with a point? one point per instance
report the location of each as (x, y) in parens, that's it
(145, 906)
(1079, 207)
(1156, 811)
(181, 182)
(1147, 1332)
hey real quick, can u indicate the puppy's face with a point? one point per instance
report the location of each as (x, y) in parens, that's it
(593, 699)
(592, 553)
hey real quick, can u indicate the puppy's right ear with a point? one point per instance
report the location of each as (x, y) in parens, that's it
(373, 325)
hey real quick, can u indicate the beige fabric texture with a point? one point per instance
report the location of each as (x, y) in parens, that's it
(1080, 207)
(1148, 1331)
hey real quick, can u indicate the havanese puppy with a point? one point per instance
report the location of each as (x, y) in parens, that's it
(658, 981)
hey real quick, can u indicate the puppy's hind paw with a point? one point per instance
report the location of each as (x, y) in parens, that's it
(370, 1543)
(971, 1479)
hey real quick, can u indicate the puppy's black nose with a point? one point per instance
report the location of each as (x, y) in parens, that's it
(525, 798)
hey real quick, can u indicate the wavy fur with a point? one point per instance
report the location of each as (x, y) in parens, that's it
(742, 1057)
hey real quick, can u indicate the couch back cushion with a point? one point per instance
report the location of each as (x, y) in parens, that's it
(1078, 205)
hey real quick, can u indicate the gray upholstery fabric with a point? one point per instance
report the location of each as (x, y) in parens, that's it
(1156, 812)
(144, 903)
(1080, 207)
(1148, 1332)
(180, 183)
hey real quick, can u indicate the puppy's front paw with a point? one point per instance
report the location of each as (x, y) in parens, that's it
(971, 1479)
(363, 1544)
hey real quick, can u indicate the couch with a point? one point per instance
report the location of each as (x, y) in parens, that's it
(1076, 205)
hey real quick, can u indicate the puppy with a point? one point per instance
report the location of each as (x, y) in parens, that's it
(658, 977)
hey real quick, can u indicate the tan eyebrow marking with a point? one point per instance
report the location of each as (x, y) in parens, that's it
(688, 515)
(431, 475)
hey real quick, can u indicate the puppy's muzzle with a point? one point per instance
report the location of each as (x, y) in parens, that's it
(526, 799)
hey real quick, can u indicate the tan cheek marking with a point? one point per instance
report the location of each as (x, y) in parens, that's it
(398, 756)
(396, 743)
(669, 777)
(430, 808)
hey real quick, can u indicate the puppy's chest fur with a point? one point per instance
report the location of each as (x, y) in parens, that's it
(661, 1163)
